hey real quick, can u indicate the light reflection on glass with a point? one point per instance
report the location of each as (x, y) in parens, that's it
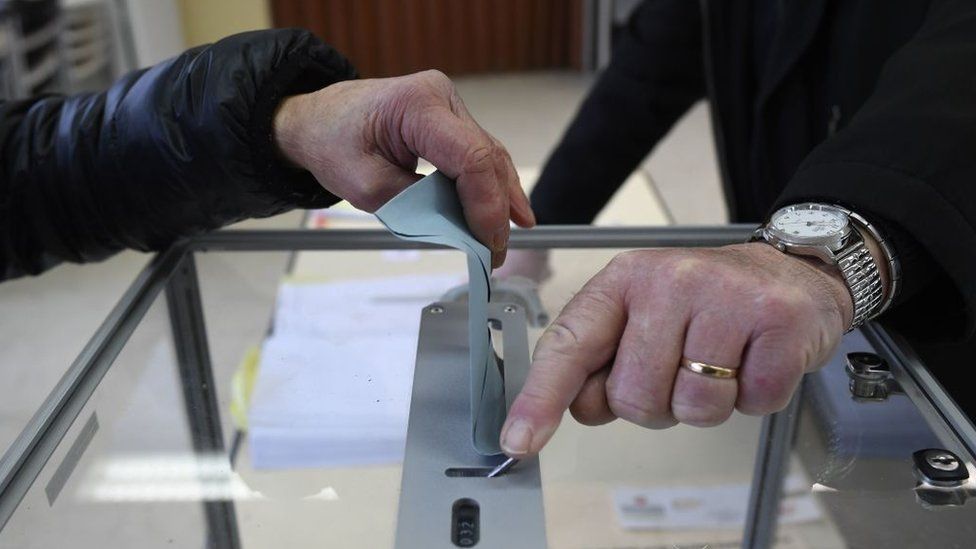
(173, 477)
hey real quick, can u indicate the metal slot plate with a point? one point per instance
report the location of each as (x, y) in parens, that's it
(439, 438)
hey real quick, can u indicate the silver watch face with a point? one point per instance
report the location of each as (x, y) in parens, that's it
(810, 224)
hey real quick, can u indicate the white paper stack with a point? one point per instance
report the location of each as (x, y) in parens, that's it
(334, 383)
(337, 311)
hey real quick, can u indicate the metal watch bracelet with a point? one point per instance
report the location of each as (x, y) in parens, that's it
(894, 266)
(860, 271)
(863, 279)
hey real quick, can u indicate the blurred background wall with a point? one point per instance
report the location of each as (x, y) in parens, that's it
(205, 21)
(390, 37)
(77, 45)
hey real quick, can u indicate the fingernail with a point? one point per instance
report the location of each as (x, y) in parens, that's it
(517, 438)
(525, 210)
(527, 206)
(500, 240)
(498, 259)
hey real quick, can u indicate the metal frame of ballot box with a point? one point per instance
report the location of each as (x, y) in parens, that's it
(174, 272)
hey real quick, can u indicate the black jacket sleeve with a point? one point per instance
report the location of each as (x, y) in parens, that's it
(654, 76)
(908, 159)
(174, 150)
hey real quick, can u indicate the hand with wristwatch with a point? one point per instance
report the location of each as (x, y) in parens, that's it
(663, 336)
(843, 241)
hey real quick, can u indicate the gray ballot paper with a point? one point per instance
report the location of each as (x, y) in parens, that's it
(430, 211)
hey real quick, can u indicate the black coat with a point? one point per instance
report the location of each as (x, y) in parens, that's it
(166, 152)
(867, 103)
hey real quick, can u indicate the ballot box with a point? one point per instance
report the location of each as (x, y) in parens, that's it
(326, 408)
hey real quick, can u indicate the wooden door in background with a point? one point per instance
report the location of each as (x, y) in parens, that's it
(392, 37)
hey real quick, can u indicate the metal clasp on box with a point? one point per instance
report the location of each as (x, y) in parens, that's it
(943, 479)
(515, 290)
(871, 377)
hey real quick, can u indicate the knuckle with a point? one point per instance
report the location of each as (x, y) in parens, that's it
(680, 274)
(436, 79)
(589, 415)
(623, 262)
(421, 92)
(762, 406)
(559, 338)
(496, 151)
(628, 356)
(590, 307)
(625, 268)
(782, 306)
(501, 152)
(699, 413)
(687, 265)
(767, 393)
(409, 89)
(641, 413)
(478, 159)
(627, 274)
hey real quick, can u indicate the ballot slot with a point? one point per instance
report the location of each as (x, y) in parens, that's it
(468, 472)
(441, 464)
(496, 335)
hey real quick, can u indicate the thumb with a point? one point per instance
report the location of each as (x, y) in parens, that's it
(581, 341)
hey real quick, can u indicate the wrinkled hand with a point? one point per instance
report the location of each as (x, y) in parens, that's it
(361, 140)
(615, 349)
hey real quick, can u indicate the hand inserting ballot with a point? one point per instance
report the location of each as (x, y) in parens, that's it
(361, 140)
(665, 336)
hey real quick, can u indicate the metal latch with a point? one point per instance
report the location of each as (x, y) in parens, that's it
(871, 377)
(942, 478)
(517, 290)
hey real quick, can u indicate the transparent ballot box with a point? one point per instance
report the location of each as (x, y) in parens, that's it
(325, 406)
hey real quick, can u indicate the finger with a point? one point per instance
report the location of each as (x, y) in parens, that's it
(590, 406)
(521, 211)
(772, 366)
(464, 152)
(580, 341)
(498, 256)
(713, 337)
(639, 387)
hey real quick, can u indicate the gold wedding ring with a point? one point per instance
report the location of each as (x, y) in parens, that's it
(708, 370)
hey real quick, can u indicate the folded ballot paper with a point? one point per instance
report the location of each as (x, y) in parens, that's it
(430, 211)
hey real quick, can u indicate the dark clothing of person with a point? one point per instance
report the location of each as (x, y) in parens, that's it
(167, 152)
(867, 103)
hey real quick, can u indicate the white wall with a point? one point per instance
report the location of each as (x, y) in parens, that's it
(157, 33)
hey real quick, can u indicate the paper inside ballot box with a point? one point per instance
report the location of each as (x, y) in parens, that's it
(335, 378)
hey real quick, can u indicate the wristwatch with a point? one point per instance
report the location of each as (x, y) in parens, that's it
(833, 234)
